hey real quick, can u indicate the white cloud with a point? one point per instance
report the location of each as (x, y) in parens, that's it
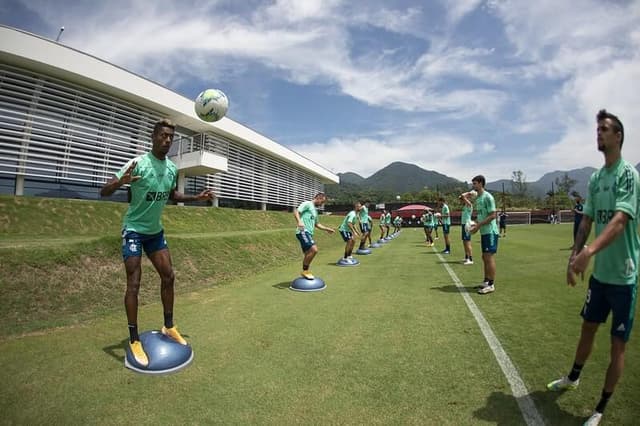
(365, 156)
(458, 9)
(592, 47)
(562, 61)
(487, 147)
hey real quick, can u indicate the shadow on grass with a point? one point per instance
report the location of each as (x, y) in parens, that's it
(116, 351)
(503, 409)
(283, 285)
(452, 288)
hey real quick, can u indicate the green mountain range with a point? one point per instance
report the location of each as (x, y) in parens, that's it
(399, 177)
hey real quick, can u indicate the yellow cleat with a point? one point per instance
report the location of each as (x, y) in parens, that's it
(308, 275)
(174, 334)
(138, 353)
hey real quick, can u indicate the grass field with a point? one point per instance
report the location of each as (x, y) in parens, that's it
(390, 341)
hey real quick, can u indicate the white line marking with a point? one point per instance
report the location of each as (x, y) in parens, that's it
(529, 411)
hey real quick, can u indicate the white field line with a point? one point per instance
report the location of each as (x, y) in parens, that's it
(529, 411)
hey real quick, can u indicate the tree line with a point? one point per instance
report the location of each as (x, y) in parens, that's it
(516, 195)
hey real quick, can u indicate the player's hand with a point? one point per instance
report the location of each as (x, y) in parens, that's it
(330, 230)
(580, 262)
(207, 194)
(571, 278)
(300, 226)
(128, 177)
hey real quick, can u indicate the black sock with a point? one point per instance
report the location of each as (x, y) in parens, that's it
(490, 282)
(133, 333)
(471, 258)
(448, 248)
(575, 372)
(305, 267)
(168, 319)
(603, 401)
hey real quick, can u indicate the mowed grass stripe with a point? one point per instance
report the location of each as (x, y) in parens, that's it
(386, 343)
(518, 387)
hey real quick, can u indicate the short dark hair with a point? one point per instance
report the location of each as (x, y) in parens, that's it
(617, 124)
(160, 124)
(320, 194)
(480, 179)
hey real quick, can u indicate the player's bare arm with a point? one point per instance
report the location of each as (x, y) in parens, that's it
(325, 228)
(206, 194)
(115, 183)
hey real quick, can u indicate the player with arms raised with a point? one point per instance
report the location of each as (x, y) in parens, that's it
(152, 178)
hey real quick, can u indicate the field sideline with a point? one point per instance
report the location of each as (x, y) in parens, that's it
(391, 341)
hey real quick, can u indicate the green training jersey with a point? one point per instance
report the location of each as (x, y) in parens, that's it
(612, 190)
(363, 214)
(485, 205)
(446, 218)
(309, 216)
(149, 194)
(350, 218)
(466, 214)
(387, 219)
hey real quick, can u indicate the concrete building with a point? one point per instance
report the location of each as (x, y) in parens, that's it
(69, 121)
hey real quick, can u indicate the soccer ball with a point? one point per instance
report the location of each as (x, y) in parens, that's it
(211, 105)
(468, 226)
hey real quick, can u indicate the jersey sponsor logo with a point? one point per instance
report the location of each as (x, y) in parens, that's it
(604, 216)
(157, 196)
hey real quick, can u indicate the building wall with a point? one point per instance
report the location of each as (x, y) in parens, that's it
(67, 140)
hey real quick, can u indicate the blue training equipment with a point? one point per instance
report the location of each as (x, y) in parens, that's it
(375, 245)
(165, 354)
(347, 262)
(303, 284)
(363, 251)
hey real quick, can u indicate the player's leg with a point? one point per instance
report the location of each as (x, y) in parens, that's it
(594, 312)
(350, 245)
(132, 254)
(622, 300)
(309, 249)
(447, 244)
(489, 244)
(161, 260)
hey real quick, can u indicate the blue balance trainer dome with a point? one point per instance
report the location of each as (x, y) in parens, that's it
(165, 354)
(303, 284)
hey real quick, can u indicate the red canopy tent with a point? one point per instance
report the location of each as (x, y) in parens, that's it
(406, 212)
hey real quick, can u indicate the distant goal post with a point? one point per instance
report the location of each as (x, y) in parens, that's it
(517, 218)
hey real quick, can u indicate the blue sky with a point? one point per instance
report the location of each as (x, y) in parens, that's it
(458, 86)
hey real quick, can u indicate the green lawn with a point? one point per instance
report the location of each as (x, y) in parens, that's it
(390, 341)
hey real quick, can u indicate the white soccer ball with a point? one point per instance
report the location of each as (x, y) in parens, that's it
(468, 226)
(211, 105)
